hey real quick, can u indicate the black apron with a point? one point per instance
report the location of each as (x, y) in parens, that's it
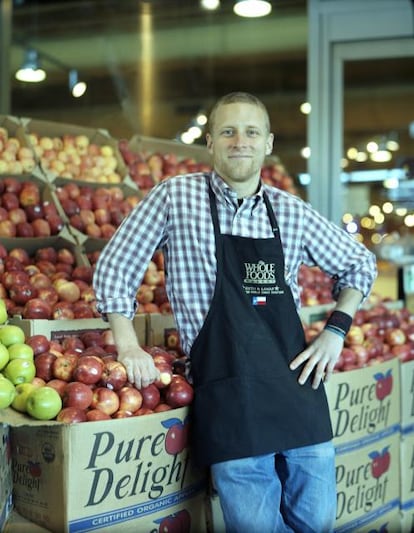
(247, 401)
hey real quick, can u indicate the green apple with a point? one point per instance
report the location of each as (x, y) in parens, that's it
(44, 403)
(7, 392)
(22, 393)
(4, 356)
(10, 334)
(20, 371)
(19, 350)
(3, 312)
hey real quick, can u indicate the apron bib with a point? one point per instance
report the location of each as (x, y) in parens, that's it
(247, 401)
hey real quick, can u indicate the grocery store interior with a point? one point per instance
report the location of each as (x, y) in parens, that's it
(128, 86)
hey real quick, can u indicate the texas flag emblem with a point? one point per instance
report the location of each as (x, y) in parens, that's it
(259, 300)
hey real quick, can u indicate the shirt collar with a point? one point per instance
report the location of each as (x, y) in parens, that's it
(226, 193)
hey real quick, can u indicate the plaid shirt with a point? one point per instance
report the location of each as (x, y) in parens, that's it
(175, 216)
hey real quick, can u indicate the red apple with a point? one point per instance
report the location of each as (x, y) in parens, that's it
(39, 343)
(64, 366)
(105, 400)
(22, 293)
(150, 396)
(130, 399)
(58, 384)
(44, 365)
(71, 415)
(179, 393)
(395, 336)
(88, 369)
(114, 375)
(77, 394)
(94, 415)
(46, 254)
(41, 228)
(37, 309)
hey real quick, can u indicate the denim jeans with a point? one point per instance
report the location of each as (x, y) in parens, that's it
(290, 491)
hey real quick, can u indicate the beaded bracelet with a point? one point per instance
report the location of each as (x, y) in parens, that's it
(339, 323)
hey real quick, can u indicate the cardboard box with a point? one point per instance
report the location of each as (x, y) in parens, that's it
(385, 522)
(118, 476)
(368, 485)
(407, 521)
(58, 329)
(407, 470)
(158, 328)
(6, 485)
(18, 524)
(364, 403)
(407, 394)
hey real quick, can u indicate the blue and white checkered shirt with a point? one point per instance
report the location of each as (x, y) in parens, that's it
(175, 216)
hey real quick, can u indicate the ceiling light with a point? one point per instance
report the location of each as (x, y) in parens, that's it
(252, 8)
(76, 86)
(30, 70)
(382, 155)
(210, 4)
(305, 108)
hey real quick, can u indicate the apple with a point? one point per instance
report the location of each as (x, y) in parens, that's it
(11, 334)
(37, 308)
(39, 343)
(130, 399)
(4, 356)
(22, 393)
(7, 392)
(179, 393)
(20, 371)
(3, 312)
(165, 375)
(77, 394)
(105, 400)
(21, 351)
(44, 403)
(64, 366)
(114, 375)
(151, 396)
(71, 415)
(58, 384)
(88, 369)
(44, 365)
(395, 336)
(94, 415)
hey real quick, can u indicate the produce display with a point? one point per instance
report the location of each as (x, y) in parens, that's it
(79, 378)
(15, 156)
(24, 212)
(76, 157)
(376, 334)
(95, 212)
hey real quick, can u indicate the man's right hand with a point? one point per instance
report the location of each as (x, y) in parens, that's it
(140, 367)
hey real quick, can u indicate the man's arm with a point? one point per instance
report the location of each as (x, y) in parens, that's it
(323, 353)
(138, 363)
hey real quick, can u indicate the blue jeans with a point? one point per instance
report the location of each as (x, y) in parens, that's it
(290, 491)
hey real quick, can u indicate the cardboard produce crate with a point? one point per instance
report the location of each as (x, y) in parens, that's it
(6, 485)
(364, 403)
(407, 395)
(368, 486)
(407, 477)
(118, 475)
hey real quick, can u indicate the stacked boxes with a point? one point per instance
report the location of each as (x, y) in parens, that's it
(407, 445)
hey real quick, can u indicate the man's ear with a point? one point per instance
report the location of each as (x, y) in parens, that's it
(269, 144)
(209, 142)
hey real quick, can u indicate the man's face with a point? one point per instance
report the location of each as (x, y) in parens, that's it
(239, 142)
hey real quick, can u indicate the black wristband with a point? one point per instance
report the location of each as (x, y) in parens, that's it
(339, 320)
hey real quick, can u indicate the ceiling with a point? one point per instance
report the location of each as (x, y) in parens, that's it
(151, 65)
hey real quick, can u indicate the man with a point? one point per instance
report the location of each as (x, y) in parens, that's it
(232, 248)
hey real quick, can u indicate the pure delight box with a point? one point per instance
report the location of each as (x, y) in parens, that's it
(131, 474)
(364, 403)
(6, 485)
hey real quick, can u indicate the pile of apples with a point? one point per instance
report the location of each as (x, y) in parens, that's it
(315, 286)
(76, 157)
(79, 379)
(376, 335)
(146, 170)
(95, 212)
(14, 157)
(46, 285)
(23, 212)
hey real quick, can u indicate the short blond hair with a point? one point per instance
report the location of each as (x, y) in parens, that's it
(235, 98)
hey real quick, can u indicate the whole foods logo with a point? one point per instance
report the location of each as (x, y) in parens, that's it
(363, 407)
(155, 463)
(260, 273)
(363, 487)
